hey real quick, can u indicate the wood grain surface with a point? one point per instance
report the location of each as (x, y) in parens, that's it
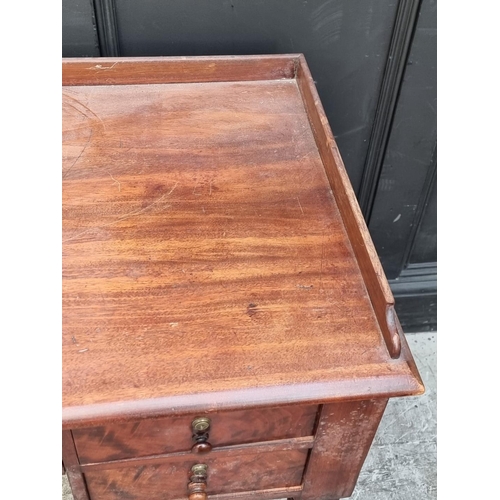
(72, 467)
(206, 264)
(147, 70)
(245, 472)
(344, 436)
(140, 438)
(271, 494)
(224, 453)
(364, 250)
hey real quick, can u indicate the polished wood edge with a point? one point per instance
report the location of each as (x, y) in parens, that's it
(223, 452)
(392, 322)
(407, 355)
(362, 245)
(150, 70)
(393, 380)
(227, 411)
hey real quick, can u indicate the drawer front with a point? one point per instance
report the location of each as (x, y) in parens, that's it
(141, 438)
(249, 471)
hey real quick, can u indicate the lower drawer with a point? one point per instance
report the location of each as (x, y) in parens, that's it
(156, 480)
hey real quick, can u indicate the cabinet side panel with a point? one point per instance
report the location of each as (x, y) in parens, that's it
(70, 462)
(343, 439)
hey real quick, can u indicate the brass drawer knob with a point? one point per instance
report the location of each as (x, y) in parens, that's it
(201, 427)
(198, 482)
(201, 424)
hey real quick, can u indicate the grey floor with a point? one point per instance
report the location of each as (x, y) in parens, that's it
(401, 464)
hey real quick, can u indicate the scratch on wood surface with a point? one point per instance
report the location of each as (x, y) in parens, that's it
(135, 427)
(321, 265)
(210, 193)
(79, 156)
(305, 155)
(123, 217)
(83, 106)
(101, 67)
(117, 182)
(139, 472)
(301, 209)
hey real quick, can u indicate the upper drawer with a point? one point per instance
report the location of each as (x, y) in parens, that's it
(140, 438)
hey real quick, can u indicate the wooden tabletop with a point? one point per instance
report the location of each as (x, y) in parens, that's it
(205, 261)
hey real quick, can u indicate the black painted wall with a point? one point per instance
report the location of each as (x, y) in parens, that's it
(403, 216)
(79, 34)
(374, 66)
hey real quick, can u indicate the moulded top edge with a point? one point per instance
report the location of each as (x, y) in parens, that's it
(148, 70)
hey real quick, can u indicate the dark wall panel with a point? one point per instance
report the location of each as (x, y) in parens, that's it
(417, 313)
(425, 244)
(409, 159)
(345, 43)
(79, 34)
(374, 63)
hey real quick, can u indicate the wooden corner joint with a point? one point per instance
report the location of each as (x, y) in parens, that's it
(392, 332)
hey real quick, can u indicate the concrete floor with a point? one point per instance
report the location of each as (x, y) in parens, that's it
(401, 464)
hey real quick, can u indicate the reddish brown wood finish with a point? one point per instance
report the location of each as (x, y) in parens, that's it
(343, 438)
(223, 453)
(71, 464)
(147, 70)
(141, 438)
(366, 255)
(273, 494)
(215, 258)
(251, 470)
(206, 263)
